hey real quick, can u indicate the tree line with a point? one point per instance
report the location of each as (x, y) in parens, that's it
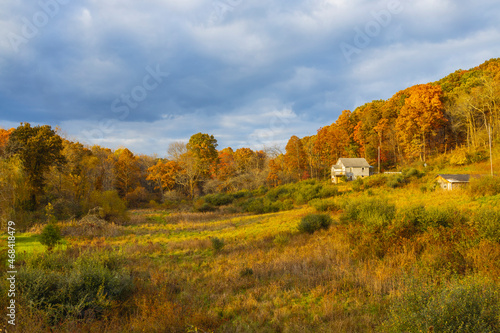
(459, 113)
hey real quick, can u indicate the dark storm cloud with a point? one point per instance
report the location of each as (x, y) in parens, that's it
(143, 74)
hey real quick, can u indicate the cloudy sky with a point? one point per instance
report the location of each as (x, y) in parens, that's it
(142, 74)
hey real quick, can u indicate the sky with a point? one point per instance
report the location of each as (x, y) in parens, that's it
(143, 74)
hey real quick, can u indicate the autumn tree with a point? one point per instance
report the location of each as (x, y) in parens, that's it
(419, 119)
(274, 177)
(190, 174)
(164, 175)
(227, 165)
(38, 148)
(127, 171)
(175, 150)
(295, 158)
(312, 157)
(13, 191)
(4, 138)
(327, 148)
(103, 173)
(203, 150)
(344, 134)
(244, 159)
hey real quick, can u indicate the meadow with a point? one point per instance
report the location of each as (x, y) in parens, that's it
(400, 256)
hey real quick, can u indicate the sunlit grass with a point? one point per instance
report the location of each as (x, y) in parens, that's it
(27, 244)
(269, 277)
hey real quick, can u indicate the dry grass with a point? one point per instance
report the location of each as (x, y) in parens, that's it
(270, 278)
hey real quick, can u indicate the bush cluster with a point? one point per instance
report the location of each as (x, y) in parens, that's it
(112, 207)
(314, 222)
(264, 200)
(374, 213)
(468, 305)
(62, 287)
(323, 205)
(484, 186)
(487, 223)
(418, 218)
(264, 205)
(211, 202)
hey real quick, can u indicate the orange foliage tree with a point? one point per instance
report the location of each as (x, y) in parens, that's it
(275, 169)
(226, 167)
(164, 175)
(4, 138)
(127, 171)
(243, 158)
(419, 119)
(295, 158)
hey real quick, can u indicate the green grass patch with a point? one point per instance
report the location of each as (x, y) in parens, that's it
(27, 243)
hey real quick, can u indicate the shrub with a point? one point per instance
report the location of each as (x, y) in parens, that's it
(487, 223)
(217, 243)
(113, 207)
(265, 205)
(253, 205)
(376, 181)
(417, 218)
(50, 236)
(313, 222)
(328, 191)
(85, 287)
(306, 191)
(443, 217)
(409, 173)
(470, 305)
(323, 205)
(357, 185)
(246, 272)
(280, 192)
(281, 239)
(138, 197)
(205, 208)
(479, 156)
(395, 181)
(484, 186)
(219, 199)
(374, 213)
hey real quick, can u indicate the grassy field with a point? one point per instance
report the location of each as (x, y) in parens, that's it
(394, 259)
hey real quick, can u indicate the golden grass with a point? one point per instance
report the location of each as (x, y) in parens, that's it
(270, 278)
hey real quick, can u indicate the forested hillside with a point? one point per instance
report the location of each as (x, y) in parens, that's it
(455, 114)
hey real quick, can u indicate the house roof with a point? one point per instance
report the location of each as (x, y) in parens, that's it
(456, 178)
(353, 162)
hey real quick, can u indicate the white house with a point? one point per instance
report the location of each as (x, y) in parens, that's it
(351, 168)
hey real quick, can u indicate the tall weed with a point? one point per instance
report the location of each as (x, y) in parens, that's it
(487, 223)
(470, 305)
(63, 288)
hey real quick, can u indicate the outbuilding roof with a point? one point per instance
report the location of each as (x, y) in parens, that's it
(456, 178)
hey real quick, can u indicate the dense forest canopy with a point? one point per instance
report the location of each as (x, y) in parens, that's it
(459, 114)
